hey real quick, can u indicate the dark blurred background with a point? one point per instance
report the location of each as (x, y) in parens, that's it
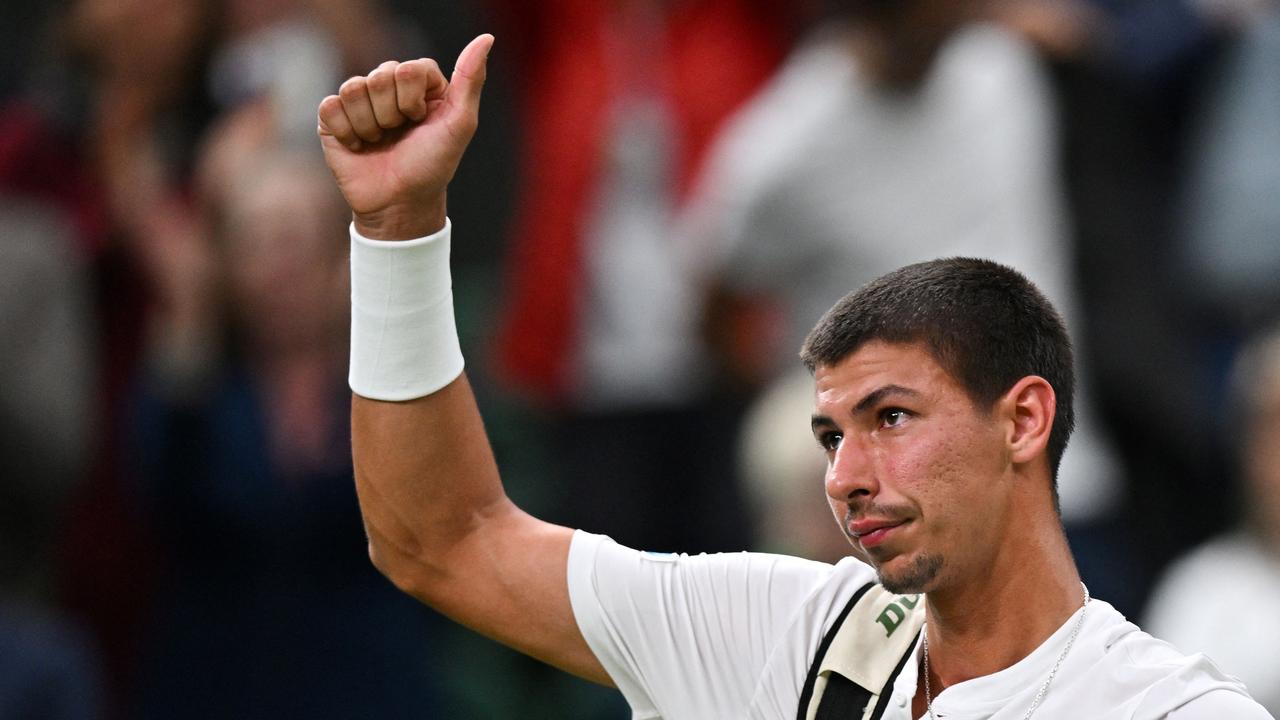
(663, 196)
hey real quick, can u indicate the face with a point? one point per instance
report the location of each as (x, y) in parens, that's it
(286, 246)
(918, 477)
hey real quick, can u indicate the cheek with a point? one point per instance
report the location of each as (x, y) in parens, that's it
(946, 476)
(922, 466)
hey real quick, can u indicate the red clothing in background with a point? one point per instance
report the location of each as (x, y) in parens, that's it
(714, 55)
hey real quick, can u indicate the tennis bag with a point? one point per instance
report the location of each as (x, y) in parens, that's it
(861, 656)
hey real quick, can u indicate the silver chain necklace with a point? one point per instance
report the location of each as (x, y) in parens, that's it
(928, 693)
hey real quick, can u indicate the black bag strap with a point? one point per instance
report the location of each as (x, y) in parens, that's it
(806, 694)
(841, 697)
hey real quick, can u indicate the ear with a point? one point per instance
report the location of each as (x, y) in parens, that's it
(1030, 406)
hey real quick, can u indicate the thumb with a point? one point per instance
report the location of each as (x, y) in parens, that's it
(469, 73)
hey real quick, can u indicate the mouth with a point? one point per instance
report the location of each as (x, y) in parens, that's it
(870, 533)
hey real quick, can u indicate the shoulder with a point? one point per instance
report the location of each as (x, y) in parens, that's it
(1219, 704)
(736, 578)
(705, 635)
(1151, 678)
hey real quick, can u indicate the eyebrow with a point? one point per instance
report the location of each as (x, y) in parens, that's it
(879, 394)
(820, 421)
(870, 400)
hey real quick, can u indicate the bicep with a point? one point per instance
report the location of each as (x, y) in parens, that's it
(507, 580)
(441, 528)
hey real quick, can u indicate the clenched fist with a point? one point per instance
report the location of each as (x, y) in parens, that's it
(394, 137)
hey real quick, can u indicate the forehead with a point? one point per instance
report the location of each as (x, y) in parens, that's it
(877, 365)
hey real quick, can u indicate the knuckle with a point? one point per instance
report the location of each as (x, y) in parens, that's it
(330, 105)
(380, 80)
(380, 85)
(405, 71)
(353, 88)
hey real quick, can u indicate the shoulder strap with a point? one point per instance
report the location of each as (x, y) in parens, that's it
(861, 656)
(806, 694)
(842, 700)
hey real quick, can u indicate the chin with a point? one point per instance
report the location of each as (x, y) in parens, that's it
(911, 576)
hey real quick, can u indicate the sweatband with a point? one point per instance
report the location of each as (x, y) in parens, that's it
(404, 343)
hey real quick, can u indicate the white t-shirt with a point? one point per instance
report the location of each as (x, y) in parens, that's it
(732, 636)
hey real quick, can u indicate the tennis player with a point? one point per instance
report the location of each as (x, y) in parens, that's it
(943, 404)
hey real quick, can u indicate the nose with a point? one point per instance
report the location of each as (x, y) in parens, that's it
(851, 472)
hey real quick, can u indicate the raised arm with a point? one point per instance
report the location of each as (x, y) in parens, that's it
(439, 524)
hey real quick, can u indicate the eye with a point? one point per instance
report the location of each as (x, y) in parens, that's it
(829, 440)
(893, 417)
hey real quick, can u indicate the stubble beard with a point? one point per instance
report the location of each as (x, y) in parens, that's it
(915, 578)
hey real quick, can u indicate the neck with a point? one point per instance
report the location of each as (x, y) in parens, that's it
(998, 616)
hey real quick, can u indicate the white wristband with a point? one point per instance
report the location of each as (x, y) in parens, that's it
(403, 340)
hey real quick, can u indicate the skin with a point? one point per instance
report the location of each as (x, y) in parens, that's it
(969, 488)
(974, 484)
(439, 524)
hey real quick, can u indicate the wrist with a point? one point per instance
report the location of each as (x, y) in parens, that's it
(403, 222)
(404, 343)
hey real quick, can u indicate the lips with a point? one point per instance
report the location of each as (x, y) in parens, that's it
(870, 533)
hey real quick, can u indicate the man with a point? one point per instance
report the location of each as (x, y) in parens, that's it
(943, 403)
(1197, 602)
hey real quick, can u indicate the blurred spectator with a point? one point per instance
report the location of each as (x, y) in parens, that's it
(48, 666)
(1233, 209)
(46, 395)
(896, 133)
(1127, 74)
(268, 607)
(598, 325)
(47, 670)
(1220, 599)
(783, 474)
(103, 124)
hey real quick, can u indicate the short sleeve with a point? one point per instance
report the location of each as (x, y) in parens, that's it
(685, 636)
(1220, 704)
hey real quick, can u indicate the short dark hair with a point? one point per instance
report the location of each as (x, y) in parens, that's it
(986, 324)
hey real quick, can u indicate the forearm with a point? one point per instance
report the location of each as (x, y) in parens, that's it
(424, 470)
(426, 480)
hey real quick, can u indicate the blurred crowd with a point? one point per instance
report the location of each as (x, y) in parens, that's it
(663, 197)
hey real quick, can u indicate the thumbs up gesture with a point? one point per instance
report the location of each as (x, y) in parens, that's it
(394, 138)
